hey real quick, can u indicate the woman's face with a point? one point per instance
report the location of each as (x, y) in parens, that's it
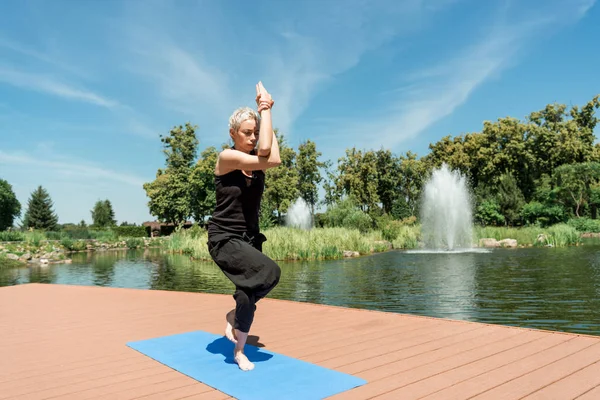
(246, 137)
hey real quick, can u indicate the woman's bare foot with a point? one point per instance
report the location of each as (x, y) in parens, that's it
(238, 352)
(242, 361)
(229, 331)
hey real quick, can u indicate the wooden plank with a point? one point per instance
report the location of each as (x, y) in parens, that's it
(62, 342)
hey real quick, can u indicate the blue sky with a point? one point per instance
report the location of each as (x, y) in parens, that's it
(87, 87)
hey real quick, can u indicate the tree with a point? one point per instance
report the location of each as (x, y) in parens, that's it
(387, 179)
(577, 184)
(103, 214)
(411, 177)
(509, 198)
(358, 178)
(332, 194)
(309, 175)
(10, 207)
(170, 193)
(40, 214)
(281, 183)
(202, 181)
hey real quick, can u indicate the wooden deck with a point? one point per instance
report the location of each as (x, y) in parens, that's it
(68, 342)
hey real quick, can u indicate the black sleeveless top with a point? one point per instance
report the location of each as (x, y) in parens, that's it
(237, 203)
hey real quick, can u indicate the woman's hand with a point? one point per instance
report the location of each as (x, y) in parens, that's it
(264, 101)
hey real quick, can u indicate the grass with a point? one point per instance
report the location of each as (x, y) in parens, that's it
(559, 235)
(289, 243)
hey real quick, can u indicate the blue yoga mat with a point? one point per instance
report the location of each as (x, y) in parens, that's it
(208, 358)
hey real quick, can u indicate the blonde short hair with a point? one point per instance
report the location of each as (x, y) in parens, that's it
(243, 114)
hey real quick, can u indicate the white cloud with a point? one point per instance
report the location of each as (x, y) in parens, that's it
(333, 40)
(47, 84)
(19, 48)
(437, 91)
(44, 162)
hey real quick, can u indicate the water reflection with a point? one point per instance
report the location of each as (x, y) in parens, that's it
(540, 288)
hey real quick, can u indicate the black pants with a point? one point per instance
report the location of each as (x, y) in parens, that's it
(253, 273)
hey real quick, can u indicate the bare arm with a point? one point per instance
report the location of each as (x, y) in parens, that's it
(230, 160)
(265, 134)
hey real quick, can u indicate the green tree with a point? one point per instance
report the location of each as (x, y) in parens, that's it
(40, 213)
(10, 207)
(309, 175)
(412, 173)
(332, 194)
(509, 198)
(170, 193)
(103, 214)
(577, 185)
(202, 182)
(281, 184)
(387, 179)
(358, 178)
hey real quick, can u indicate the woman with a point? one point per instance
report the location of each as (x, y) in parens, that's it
(234, 239)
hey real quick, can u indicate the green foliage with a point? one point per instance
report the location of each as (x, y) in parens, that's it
(576, 185)
(12, 236)
(10, 207)
(509, 198)
(408, 237)
(348, 215)
(536, 213)
(390, 228)
(266, 218)
(103, 214)
(585, 224)
(39, 214)
(281, 183)
(202, 183)
(358, 178)
(131, 231)
(170, 193)
(488, 213)
(35, 238)
(309, 175)
(134, 242)
(562, 235)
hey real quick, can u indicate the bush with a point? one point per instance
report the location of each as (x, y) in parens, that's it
(11, 236)
(536, 213)
(585, 224)
(131, 231)
(390, 229)
(488, 213)
(346, 214)
(134, 242)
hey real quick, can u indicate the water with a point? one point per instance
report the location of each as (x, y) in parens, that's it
(446, 212)
(299, 215)
(556, 289)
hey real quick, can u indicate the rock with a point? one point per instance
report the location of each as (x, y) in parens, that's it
(25, 257)
(512, 243)
(542, 238)
(488, 242)
(68, 261)
(13, 257)
(348, 253)
(43, 261)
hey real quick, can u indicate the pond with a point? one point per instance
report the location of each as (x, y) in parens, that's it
(556, 289)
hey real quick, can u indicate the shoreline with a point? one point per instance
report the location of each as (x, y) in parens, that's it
(60, 256)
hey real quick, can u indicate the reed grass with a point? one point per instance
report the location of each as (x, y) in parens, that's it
(560, 235)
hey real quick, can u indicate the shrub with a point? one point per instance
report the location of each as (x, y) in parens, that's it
(585, 224)
(11, 236)
(131, 231)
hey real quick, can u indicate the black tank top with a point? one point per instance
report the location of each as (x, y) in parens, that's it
(237, 203)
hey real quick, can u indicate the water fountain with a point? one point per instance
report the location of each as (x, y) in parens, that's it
(446, 212)
(299, 215)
